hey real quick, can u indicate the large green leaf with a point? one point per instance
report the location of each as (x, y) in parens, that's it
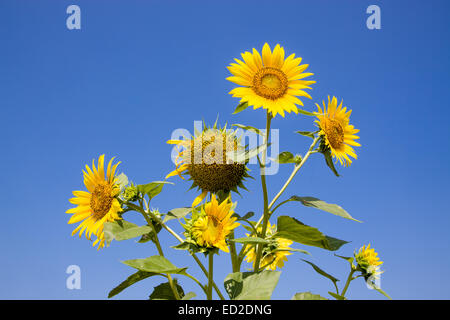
(241, 107)
(329, 161)
(322, 205)
(164, 291)
(307, 296)
(152, 189)
(306, 134)
(249, 128)
(306, 113)
(123, 230)
(177, 213)
(157, 264)
(292, 229)
(135, 277)
(251, 285)
(321, 272)
(287, 157)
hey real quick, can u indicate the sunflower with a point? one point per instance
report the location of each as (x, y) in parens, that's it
(270, 81)
(274, 254)
(336, 132)
(210, 226)
(205, 159)
(368, 260)
(97, 205)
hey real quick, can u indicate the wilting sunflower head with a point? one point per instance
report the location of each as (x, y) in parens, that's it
(97, 205)
(337, 134)
(211, 224)
(368, 261)
(270, 81)
(205, 158)
(274, 254)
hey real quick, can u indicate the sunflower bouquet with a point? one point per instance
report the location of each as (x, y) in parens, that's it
(215, 160)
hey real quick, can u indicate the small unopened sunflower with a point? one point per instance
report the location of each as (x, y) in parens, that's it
(336, 132)
(97, 205)
(274, 254)
(270, 81)
(205, 158)
(210, 225)
(368, 261)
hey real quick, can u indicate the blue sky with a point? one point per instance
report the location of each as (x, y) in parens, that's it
(137, 70)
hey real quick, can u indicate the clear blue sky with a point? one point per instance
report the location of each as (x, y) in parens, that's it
(139, 69)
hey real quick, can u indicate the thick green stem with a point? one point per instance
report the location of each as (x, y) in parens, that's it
(161, 253)
(210, 275)
(265, 197)
(233, 254)
(349, 279)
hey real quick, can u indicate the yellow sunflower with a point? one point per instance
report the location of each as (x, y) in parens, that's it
(205, 159)
(270, 81)
(274, 254)
(98, 204)
(368, 260)
(214, 223)
(336, 132)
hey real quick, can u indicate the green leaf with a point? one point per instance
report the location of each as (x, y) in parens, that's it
(287, 157)
(307, 296)
(293, 250)
(251, 240)
(349, 259)
(292, 229)
(242, 156)
(157, 264)
(373, 286)
(136, 277)
(122, 180)
(177, 213)
(152, 189)
(251, 285)
(329, 161)
(249, 128)
(336, 296)
(247, 216)
(164, 291)
(123, 230)
(189, 296)
(306, 134)
(321, 272)
(322, 205)
(306, 113)
(241, 107)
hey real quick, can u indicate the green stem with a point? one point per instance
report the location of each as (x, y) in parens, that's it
(289, 180)
(233, 253)
(349, 279)
(161, 253)
(210, 275)
(265, 197)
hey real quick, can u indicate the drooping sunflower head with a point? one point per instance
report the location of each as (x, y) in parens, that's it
(336, 132)
(211, 224)
(205, 158)
(368, 261)
(274, 254)
(97, 205)
(270, 80)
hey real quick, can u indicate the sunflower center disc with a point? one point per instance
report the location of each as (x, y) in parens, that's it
(270, 83)
(101, 200)
(334, 132)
